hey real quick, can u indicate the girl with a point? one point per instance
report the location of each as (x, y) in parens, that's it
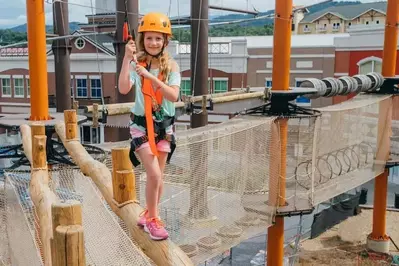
(156, 79)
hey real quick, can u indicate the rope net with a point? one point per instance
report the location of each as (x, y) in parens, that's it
(203, 204)
(105, 239)
(218, 186)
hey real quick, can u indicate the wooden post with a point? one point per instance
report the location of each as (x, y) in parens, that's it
(95, 115)
(123, 179)
(37, 129)
(68, 242)
(39, 159)
(70, 246)
(71, 124)
(75, 106)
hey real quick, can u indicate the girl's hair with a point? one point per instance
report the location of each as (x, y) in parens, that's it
(164, 58)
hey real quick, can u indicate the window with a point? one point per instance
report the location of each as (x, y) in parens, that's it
(80, 43)
(27, 86)
(19, 87)
(185, 87)
(370, 64)
(81, 87)
(268, 82)
(6, 86)
(95, 87)
(72, 89)
(90, 135)
(220, 85)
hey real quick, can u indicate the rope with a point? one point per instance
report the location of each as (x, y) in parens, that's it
(98, 64)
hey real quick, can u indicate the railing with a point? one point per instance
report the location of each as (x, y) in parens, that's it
(213, 48)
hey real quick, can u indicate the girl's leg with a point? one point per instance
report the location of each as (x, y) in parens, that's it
(154, 175)
(163, 156)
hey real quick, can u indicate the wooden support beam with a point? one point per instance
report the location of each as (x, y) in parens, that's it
(125, 108)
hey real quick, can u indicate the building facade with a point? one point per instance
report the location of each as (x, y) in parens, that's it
(340, 19)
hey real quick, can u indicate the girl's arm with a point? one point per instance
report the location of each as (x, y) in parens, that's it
(125, 83)
(171, 92)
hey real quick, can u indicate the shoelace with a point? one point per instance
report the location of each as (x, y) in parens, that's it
(158, 223)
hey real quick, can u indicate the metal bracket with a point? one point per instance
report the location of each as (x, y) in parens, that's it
(190, 107)
(390, 86)
(280, 103)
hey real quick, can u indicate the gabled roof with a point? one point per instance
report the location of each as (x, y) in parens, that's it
(348, 12)
(100, 40)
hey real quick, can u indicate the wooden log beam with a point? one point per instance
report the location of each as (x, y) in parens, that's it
(40, 193)
(165, 252)
(125, 108)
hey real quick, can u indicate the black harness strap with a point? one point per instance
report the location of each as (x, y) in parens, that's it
(159, 128)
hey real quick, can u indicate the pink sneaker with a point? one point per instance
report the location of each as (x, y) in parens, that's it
(142, 218)
(155, 228)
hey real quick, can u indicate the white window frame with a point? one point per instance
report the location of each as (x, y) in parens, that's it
(366, 60)
(27, 84)
(15, 77)
(100, 88)
(76, 86)
(219, 79)
(5, 77)
(186, 79)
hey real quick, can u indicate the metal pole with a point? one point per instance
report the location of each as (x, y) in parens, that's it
(199, 56)
(132, 7)
(133, 10)
(379, 238)
(234, 10)
(199, 80)
(280, 79)
(37, 60)
(61, 50)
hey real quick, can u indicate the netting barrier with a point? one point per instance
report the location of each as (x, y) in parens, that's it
(204, 204)
(106, 240)
(218, 183)
(352, 147)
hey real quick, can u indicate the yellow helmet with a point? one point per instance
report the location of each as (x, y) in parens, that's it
(157, 22)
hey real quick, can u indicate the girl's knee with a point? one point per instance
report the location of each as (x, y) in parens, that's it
(155, 176)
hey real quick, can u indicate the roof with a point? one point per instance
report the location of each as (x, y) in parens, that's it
(101, 40)
(306, 40)
(347, 12)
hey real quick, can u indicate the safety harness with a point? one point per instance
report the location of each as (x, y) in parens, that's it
(154, 121)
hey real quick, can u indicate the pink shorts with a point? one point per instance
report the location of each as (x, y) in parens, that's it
(162, 146)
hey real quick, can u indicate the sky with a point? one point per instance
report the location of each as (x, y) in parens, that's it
(13, 12)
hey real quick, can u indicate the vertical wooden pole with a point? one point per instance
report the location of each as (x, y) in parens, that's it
(39, 159)
(123, 179)
(37, 60)
(71, 124)
(280, 79)
(95, 115)
(68, 242)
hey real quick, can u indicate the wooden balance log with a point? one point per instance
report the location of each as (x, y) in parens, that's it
(61, 231)
(118, 189)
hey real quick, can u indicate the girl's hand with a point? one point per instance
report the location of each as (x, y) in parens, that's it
(143, 72)
(130, 51)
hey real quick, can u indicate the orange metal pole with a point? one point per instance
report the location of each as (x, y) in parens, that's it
(37, 60)
(391, 39)
(388, 70)
(280, 79)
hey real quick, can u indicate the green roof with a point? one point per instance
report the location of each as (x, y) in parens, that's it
(348, 12)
